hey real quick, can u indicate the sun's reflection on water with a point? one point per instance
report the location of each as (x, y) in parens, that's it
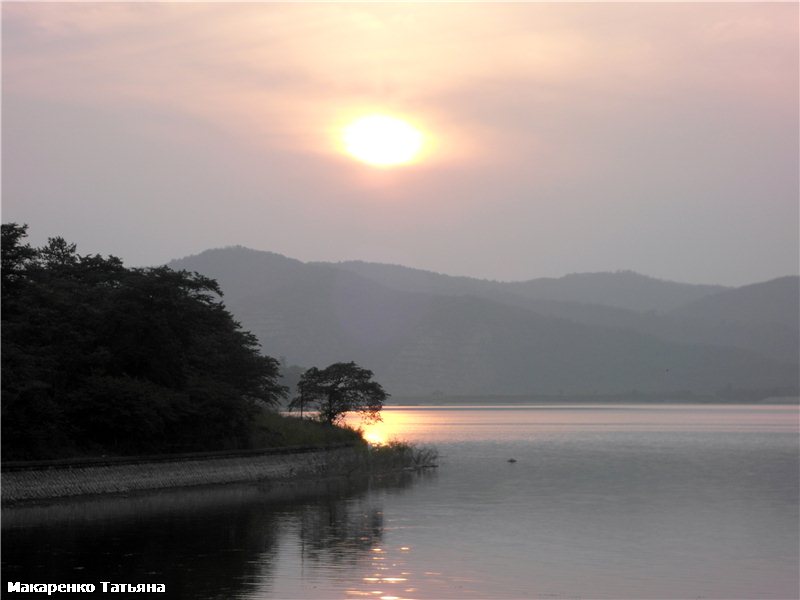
(396, 583)
(523, 422)
(396, 424)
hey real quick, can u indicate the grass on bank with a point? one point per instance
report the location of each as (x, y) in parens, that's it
(396, 455)
(273, 430)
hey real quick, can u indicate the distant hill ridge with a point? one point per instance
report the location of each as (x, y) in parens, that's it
(620, 289)
(425, 333)
(767, 302)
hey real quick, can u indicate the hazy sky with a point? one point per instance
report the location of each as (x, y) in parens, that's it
(661, 138)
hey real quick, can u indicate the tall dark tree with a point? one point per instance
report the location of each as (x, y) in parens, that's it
(101, 358)
(338, 389)
(16, 256)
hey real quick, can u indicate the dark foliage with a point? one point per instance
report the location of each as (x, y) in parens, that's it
(98, 357)
(338, 389)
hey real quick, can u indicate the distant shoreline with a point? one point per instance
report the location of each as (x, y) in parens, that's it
(593, 399)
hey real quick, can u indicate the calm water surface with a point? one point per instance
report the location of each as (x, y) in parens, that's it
(666, 501)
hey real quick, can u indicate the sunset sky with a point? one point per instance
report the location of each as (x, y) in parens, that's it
(565, 138)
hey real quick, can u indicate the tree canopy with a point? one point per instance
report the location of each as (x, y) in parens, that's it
(338, 389)
(98, 357)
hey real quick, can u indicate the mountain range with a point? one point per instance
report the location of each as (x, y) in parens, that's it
(427, 334)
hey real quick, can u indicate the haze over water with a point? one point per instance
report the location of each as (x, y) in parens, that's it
(606, 501)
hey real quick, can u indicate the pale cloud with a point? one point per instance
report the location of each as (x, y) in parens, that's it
(541, 114)
(290, 71)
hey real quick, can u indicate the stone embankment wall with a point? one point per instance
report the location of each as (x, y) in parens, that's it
(43, 481)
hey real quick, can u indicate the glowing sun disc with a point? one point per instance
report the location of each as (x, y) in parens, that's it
(382, 141)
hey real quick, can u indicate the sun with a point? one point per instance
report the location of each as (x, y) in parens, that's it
(383, 141)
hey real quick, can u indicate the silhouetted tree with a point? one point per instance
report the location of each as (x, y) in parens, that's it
(98, 357)
(338, 389)
(16, 256)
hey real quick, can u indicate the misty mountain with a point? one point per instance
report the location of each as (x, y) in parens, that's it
(621, 289)
(761, 317)
(449, 338)
(772, 302)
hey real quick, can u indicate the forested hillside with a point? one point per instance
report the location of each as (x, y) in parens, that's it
(103, 359)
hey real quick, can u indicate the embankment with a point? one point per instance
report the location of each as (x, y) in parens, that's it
(25, 482)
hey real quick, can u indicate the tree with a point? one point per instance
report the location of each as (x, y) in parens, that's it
(100, 358)
(338, 389)
(16, 256)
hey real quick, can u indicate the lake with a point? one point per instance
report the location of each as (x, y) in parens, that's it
(603, 501)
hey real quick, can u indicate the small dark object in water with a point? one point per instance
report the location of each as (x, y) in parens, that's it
(512, 460)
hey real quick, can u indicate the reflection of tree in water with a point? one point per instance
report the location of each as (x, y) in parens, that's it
(199, 546)
(340, 531)
(211, 543)
(341, 527)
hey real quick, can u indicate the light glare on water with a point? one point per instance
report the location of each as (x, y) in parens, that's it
(439, 424)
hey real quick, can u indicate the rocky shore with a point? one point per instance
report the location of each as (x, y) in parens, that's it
(27, 482)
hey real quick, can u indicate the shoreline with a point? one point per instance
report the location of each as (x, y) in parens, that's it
(55, 480)
(522, 400)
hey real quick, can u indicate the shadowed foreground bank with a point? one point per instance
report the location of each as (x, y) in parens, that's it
(23, 482)
(220, 542)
